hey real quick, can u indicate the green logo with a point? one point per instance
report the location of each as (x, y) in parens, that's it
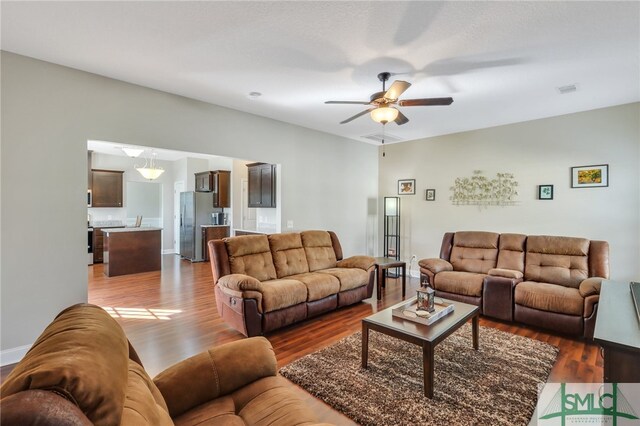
(612, 404)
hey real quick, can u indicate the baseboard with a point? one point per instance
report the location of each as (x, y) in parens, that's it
(169, 251)
(13, 355)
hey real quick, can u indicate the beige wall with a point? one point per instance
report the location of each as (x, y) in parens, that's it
(536, 152)
(48, 114)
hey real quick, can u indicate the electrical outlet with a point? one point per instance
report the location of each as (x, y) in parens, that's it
(290, 224)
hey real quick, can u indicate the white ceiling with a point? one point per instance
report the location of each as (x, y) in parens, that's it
(500, 61)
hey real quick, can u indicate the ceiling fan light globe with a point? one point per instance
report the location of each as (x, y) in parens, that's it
(384, 114)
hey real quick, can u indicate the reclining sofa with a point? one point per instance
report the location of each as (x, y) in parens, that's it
(264, 282)
(546, 281)
(82, 370)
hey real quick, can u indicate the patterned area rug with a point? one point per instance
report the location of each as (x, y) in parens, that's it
(496, 385)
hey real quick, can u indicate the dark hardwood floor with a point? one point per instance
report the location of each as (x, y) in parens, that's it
(171, 314)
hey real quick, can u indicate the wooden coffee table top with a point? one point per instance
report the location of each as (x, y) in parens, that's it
(433, 333)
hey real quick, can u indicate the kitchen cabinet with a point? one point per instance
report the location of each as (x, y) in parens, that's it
(98, 243)
(262, 185)
(213, 233)
(106, 188)
(204, 182)
(218, 182)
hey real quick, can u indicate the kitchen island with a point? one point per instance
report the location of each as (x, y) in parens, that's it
(132, 250)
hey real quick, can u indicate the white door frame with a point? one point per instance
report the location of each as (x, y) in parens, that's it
(247, 215)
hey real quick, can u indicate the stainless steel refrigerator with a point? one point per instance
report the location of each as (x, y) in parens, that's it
(195, 210)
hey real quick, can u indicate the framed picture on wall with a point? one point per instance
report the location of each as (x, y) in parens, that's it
(590, 176)
(406, 187)
(545, 192)
(431, 194)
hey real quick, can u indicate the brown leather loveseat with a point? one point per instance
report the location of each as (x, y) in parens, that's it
(264, 282)
(546, 281)
(82, 370)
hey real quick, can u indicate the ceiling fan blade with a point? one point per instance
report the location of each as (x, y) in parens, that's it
(426, 101)
(397, 88)
(360, 114)
(401, 119)
(348, 102)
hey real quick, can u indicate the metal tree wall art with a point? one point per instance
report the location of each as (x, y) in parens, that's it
(479, 190)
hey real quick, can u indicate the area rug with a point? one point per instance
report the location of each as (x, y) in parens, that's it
(496, 385)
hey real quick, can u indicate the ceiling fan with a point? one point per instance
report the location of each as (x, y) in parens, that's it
(383, 103)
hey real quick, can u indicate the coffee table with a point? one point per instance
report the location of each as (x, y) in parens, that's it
(427, 336)
(384, 263)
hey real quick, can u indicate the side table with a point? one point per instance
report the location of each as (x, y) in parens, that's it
(384, 263)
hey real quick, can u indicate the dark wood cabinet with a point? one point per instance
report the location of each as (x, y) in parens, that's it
(213, 233)
(262, 185)
(218, 182)
(98, 243)
(106, 188)
(204, 182)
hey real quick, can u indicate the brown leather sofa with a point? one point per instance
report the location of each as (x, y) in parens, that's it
(82, 370)
(547, 281)
(264, 282)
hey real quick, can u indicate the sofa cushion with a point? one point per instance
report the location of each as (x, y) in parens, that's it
(289, 256)
(350, 278)
(474, 251)
(318, 285)
(557, 260)
(143, 403)
(220, 411)
(272, 401)
(282, 293)
(549, 297)
(251, 255)
(95, 377)
(318, 248)
(465, 283)
(511, 253)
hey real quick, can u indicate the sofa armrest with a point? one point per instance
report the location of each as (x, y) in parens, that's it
(360, 262)
(435, 265)
(590, 286)
(240, 282)
(506, 273)
(214, 373)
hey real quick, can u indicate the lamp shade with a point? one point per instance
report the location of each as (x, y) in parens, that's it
(132, 152)
(150, 173)
(150, 170)
(384, 114)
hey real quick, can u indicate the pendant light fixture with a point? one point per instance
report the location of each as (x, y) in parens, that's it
(150, 170)
(132, 152)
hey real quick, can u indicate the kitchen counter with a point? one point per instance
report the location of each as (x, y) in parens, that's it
(132, 229)
(132, 250)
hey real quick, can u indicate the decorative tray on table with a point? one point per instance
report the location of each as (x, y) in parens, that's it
(410, 312)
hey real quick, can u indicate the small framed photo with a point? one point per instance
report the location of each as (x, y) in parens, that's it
(407, 187)
(590, 176)
(431, 194)
(545, 192)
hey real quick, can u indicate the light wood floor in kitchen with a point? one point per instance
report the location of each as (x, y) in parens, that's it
(171, 315)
